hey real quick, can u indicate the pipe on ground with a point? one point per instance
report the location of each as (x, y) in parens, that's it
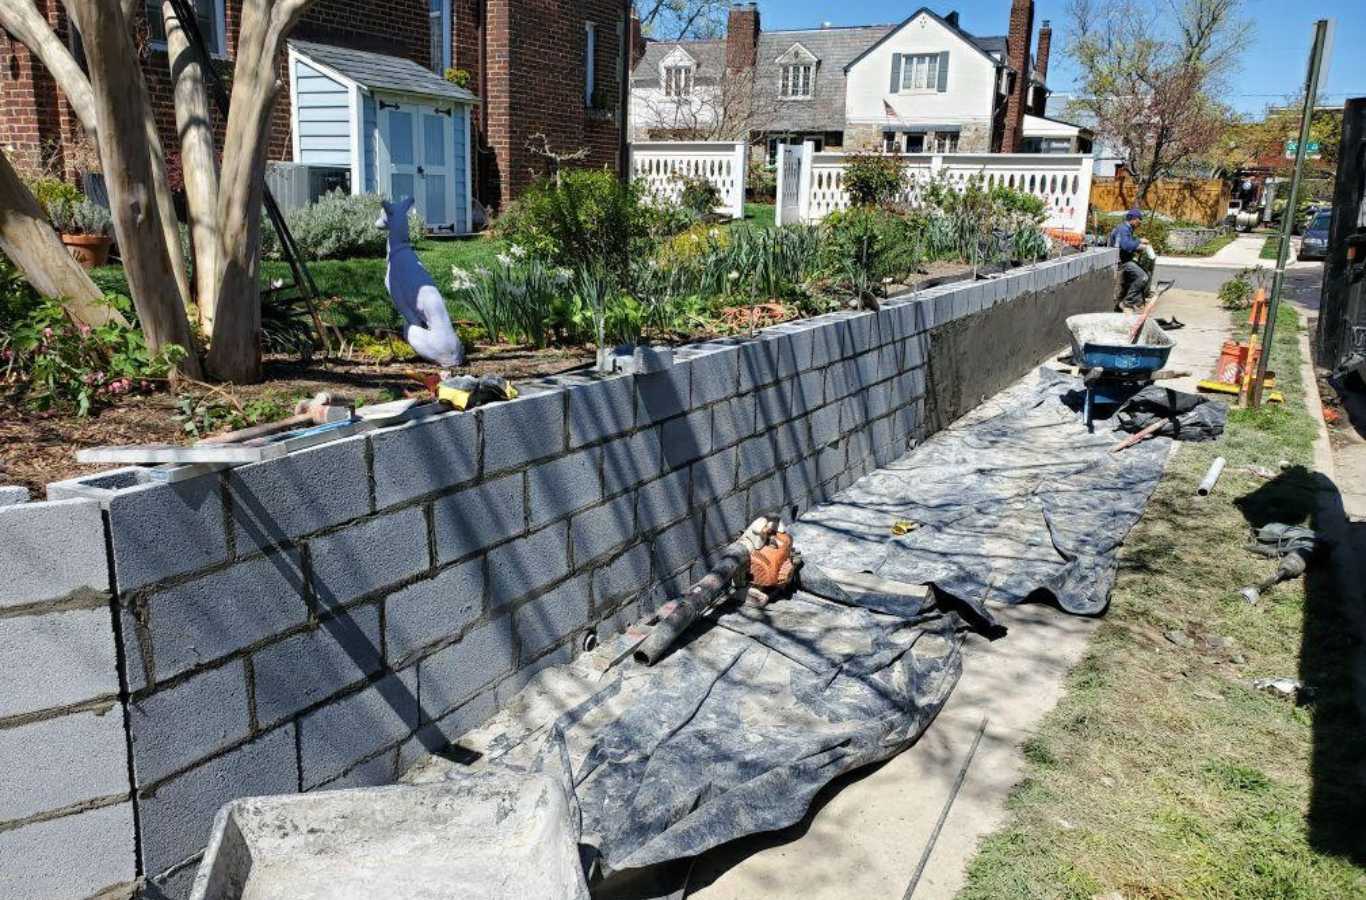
(1211, 477)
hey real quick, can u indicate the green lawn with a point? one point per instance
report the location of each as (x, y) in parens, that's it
(1271, 249)
(1162, 772)
(760, 215)
(1209, 248)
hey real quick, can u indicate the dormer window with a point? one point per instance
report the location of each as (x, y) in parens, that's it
(798, 80)
(797, 73)
(677, 81)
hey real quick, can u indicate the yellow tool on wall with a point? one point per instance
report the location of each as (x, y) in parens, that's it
(467, 392)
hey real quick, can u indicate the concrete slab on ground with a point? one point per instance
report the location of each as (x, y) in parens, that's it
(1244, 253)
(1197, 345)
(866, 833)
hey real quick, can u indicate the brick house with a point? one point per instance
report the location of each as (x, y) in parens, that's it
(922, 85)
(551, 67)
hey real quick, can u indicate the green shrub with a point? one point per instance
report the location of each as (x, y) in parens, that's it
(588, 218)
(79, 217)
(761, 181)
(519, 298)
(1236, 293)
(50, 363)
(337, 225)
(1155, 229)
(867, 248)
(699, 196)
(874, 179)
(46, 190)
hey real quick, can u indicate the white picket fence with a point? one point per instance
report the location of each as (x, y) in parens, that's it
(1062, 181)
(723, 163)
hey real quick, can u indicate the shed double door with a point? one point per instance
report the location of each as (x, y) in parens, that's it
(417, 153)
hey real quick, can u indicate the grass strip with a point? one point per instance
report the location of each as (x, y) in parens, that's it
(1162, 772)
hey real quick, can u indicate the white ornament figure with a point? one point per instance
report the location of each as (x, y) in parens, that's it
(415, 294)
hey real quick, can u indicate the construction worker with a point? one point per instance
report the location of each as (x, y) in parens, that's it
(1134, 278)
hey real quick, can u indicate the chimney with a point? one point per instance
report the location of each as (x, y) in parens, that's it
(1041, 57)
(952, 18)
(637, 39)
(1017, 56)
(742, 37)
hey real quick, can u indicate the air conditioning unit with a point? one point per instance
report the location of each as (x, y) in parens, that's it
(290, 183)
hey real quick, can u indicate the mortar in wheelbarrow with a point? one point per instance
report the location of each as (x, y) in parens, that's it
(1116, 367)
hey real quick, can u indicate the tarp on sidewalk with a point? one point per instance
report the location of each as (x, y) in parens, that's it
(1018, 504)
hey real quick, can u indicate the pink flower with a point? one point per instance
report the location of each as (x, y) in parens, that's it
(47, 332)
(84, 329)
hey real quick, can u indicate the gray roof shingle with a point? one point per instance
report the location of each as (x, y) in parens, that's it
(381, 72)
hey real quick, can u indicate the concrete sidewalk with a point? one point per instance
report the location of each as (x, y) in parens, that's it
(1244, 253)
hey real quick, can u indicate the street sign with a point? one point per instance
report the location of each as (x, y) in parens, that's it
(1311, 150)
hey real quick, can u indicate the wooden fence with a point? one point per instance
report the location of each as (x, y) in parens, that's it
(1203, 200)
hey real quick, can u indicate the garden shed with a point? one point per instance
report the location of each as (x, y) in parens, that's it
(371, 123)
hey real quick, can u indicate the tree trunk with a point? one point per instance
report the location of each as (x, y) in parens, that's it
(31, 244)
(234, 352)
(195, 125)
(121, 114)
(22, 19)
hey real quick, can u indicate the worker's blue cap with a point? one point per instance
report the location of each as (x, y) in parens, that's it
(1134, 214)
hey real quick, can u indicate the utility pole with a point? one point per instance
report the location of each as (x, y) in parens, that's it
(1311, 90)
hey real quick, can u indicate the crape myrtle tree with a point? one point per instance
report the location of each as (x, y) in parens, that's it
(111, 102)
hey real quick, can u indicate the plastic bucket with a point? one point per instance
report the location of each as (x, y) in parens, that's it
(1232, 363)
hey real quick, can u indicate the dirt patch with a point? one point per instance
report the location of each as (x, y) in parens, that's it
(40, 447)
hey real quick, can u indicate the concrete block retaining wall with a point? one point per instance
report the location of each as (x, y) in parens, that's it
(324, 619)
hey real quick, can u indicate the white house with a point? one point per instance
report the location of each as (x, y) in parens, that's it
(922, 85)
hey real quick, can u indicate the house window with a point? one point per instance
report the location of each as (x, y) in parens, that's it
(889, 142)
(915, 143)
(209, 15)
(590, 62)
(798, 80)
(439, 34)
(920, 72)
(677, 81)
(945, 142)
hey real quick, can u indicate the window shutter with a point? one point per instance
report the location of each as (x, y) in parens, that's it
(896, 73)
(943, 71)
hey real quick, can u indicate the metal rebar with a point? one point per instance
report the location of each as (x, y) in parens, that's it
(944, 813)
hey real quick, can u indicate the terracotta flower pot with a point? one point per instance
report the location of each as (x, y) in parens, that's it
(90, 250)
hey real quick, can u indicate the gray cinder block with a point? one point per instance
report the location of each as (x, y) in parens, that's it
(768, 495)
(162, 530)
(714, 476)
(61, 762)
(944, 309)
(733, 421)
(757, 458)
(310, 667)
(715, 376)
(177, 818)
(198, 621)
(686, 438)
(774, 404)
(56, 659)
(434, 609)
(663, 500)
(662, 395)
(725, 521)
(50, 550)
(283, 499)
(758, 365)
(178, 725)
(520, 567)
(825, 424)
(677, 546)
(628, 574)
(552, 617)
(453, 674)
(602, 529)
(447, 730)
(340, 734)
(479, 517)
(74, 856)
(368, 556)
(13, 494)
(601, 409)
(631, 461)
(421, 457)
(526, 429)
(559, 487)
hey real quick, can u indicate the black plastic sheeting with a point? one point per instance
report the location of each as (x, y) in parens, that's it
(1189, 417)
(1023, 504)
(736, 729)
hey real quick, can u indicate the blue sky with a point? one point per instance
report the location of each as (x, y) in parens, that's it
(1274, 62)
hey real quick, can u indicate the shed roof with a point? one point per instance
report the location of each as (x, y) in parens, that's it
(378, 71)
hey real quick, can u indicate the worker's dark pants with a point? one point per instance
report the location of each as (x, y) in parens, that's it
(1134, 282)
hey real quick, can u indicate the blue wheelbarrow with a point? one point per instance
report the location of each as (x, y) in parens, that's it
(1113, 368)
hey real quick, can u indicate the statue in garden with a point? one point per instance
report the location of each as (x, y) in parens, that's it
(413, 291)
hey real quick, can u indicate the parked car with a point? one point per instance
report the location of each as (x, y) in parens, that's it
(1315, 243)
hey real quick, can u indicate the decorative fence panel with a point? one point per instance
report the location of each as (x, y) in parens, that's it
(1063, 182)
(662, 164)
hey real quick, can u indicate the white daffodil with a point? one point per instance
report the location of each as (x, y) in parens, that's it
(517, 251)
(504, 260)
(734, 276)
(461, 279)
